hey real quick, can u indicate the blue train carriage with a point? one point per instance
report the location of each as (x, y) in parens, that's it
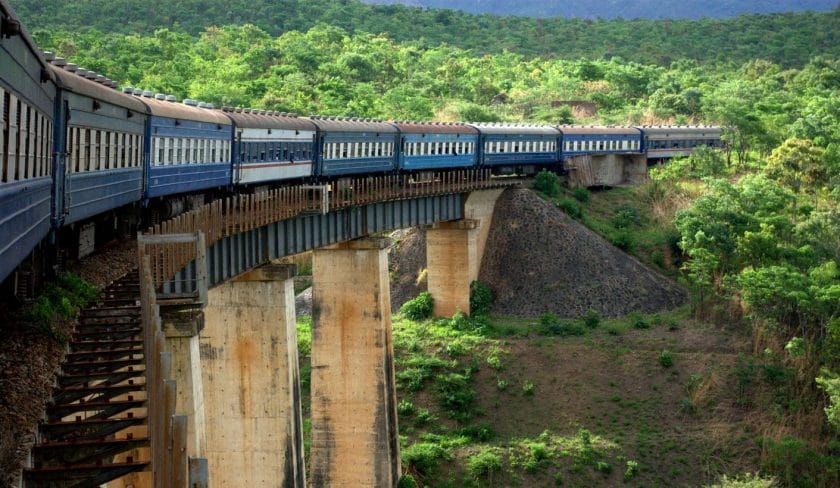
(270, 146)
(664, 142)
(579, 140)
(517, 148)
(189, 151)
(27, 92)
(438, 145)
(349, 147)
(99, 167)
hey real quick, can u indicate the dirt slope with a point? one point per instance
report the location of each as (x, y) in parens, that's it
(538, 259)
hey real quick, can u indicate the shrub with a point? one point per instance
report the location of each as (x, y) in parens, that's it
(423, 456)
(571, 207)
(419, 308)
(657, 258)
(665, 359)
(528, 389)
(481, 298)
(478, 433)
(501, 385)
(581, 194)
(407, 481)
(405, 408)
(638, 321)
(484, 463)
(625, 216)
(455, 395)
(631, 471)
(547, 183)
(604, 467)
(622, 240)
(591, 319)
(423, 417)
(550, 325)
(747, 480)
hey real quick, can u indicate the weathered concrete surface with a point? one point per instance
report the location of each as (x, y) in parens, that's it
(454, 251)
(606, 170)
(251, 382)
(181, 328)
(354, 420)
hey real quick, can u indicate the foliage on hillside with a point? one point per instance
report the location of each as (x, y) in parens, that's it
(788, 39)
(328, 71)
(627, 9)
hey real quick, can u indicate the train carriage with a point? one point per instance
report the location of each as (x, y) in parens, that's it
(661, 142)
(269, 146)
(27, 91)
(348, 147)
(577, 140)
(517, 148)
(189, 146)
(100, 147)
(429, 146)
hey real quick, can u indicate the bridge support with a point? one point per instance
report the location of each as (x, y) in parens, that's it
(181, 326)
(251, 381)
(454, 251)
(354, 420)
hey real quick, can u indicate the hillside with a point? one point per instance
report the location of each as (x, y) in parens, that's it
(627, 9)
(789, 39)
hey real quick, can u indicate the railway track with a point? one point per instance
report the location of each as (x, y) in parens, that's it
(95, 427)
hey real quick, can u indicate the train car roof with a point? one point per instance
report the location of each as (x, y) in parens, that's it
(76, 83)
(506, 128)
(679, 129)
(409, 127)
(262, 119)
(347, 124)
(181, 110)
(596, 129)
(10, 13)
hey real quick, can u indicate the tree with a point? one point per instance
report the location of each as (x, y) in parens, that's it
(798, 165)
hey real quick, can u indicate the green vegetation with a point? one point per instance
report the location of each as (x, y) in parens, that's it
(790, 39)
(61, 300)
(481, 298)
(420, 307)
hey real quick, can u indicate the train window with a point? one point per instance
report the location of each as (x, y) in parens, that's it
(195, 144)
(4, 131)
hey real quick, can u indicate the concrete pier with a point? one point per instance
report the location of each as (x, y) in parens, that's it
(354, 420)
(454, 251)
(251, 382)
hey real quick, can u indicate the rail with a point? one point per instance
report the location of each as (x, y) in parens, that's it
(242, 213)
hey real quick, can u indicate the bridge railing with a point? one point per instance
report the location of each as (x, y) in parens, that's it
(223, 218)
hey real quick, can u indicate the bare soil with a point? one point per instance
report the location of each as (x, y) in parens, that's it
(539, 260)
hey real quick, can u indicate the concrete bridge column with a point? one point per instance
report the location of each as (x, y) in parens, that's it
(354, 420)
(181, 327)
(251, 381)
(454, 251)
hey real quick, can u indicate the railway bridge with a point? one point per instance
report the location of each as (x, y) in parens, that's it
(220, 345)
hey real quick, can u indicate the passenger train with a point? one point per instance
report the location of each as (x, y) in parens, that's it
(81, 160)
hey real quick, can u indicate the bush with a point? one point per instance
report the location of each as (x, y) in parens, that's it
(528, 389)
(604, 467)
(748, 480)
(625, 216)
(571, 207)
(423, 456)
(638, 321)
(623, 240)
(631, 471)
(419, 308)
(478, 433)
(423, 417)
(481, 298)
(665, 359)
(550, 325)
(547, 183)
(591, 319)
(407, 481)
(484, 463)
(405, 408)
(581, 194)
(456, 395)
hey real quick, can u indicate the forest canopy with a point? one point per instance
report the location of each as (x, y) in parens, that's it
(789, 39)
